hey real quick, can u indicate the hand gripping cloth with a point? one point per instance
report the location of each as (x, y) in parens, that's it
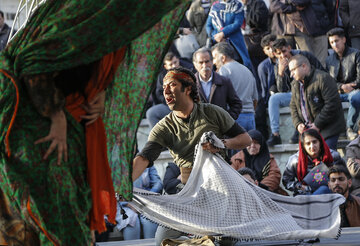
(218, 201)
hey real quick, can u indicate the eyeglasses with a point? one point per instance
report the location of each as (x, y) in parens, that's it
(292, 70)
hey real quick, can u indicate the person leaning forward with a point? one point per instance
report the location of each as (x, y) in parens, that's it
(182, 129)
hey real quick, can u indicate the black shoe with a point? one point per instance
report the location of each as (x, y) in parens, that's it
(274, 140)
(294, 138)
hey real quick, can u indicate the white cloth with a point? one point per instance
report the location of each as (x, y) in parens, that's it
(218, 201)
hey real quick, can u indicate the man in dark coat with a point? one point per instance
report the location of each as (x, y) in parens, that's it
(214, 88)
(315, 102)
(344, 66)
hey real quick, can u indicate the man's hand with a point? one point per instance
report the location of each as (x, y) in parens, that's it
(210, 148)
(348, 87)
(94, 109)
(283, 64)
(57, 136)
(219, 37)
(186, 31)
(312, 126)
(301, 128)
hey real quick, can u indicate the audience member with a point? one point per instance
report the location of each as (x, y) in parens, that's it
(349, 11)
(315, 102)
(214, 88)
(242, 80)
(197, 15)
(313, 151)
(256, 14)
(138, 225)
(281, 26)
(267, 79)
(248, 174)
(281, 91)
(160, 109)
(353, 163)
(260, 161)
(224, 25)
(340, 182)
(172, 181)
(4, 31)
(344, 66)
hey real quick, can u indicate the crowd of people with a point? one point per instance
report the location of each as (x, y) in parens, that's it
(248, 61)
(308, 62)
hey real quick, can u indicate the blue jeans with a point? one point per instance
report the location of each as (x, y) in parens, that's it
(324, 189)
(354, 98)
(156, 113)
(277, 101)
(148, 228)
(247, 121)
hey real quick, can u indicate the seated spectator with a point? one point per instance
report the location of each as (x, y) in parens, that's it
(214, 88)
(172, 180)
(242, 80)
(267, 80)
(135, 224)
(313, 150)
(258, 159)
(315, 102)
(344, 66)
(224, 25)
(160, 108)
(197, 15)
(248, 174)
(353, 163)
(340, 182)
(281, 91)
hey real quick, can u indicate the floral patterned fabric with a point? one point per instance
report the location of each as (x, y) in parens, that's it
(55, 200)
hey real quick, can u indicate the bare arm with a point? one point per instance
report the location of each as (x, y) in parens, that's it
(139, 165)
(239, 142)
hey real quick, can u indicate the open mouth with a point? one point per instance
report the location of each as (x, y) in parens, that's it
(169, 100)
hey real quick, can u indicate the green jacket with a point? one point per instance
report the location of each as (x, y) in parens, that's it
(322, 103)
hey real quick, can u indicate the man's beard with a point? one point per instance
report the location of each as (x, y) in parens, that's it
(341, 190)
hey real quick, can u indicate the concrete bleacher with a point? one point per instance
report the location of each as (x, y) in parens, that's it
(281, 152)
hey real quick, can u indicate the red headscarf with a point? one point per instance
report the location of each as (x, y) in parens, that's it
(303, 158)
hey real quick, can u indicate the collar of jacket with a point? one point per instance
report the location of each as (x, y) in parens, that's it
(308, 77)
(346, 51)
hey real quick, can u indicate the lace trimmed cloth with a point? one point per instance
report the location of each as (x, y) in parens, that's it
(218, 201)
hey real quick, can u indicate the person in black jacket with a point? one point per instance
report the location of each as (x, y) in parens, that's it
(344, 66)
(315, 102)
(280, 93)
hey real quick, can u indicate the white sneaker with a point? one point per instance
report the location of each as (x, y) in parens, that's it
(351, 135)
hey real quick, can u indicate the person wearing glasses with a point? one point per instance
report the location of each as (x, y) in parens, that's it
(315, 101)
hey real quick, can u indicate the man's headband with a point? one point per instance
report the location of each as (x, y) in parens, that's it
(178, 76)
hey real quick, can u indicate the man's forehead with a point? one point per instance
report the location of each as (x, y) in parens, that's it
(336, 175)
(169, 80)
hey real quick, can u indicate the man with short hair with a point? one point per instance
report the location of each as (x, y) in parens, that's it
(315, 102)
(182, 129)
(160, 109)
(242, 80)
(344, 66)
(267, 80)
(4, 31)
(214, 88)
(340, 182)
(281, 93)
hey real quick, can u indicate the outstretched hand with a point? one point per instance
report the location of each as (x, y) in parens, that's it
(57, 136)
(94, 109)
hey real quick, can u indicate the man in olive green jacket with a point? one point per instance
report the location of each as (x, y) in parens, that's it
(315, 101)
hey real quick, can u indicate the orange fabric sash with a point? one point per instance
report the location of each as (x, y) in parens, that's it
(98, 170)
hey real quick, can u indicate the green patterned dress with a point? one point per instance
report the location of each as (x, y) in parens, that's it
(61, 35)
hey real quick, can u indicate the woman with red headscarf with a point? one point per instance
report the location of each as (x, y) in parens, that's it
(313, 151)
